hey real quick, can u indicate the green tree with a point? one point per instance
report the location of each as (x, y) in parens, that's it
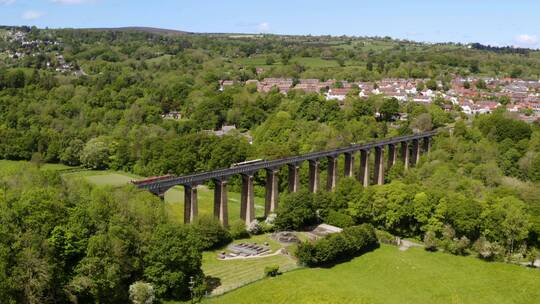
(95, 154)
(389, 109)
(295, 211)
(174, 257)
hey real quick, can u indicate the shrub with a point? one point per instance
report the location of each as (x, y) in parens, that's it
(270, 219)
(338, 246)
(488, 251)
(238, 230)
(430, 241)
(532, 255)
(141, 293)
(461, 245)
(385, 237)
(255, 227)
(271, 271)
(266, 228)
(339, 219)
(211, 232)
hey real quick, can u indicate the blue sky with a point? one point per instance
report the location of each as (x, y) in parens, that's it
(497, 22)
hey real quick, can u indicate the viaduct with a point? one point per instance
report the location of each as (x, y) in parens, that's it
(409, 147)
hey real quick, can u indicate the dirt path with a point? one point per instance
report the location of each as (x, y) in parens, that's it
(405, 244)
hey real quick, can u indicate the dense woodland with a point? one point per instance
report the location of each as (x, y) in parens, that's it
(477, 192)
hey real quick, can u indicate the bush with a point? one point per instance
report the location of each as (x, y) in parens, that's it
(141, 293)
(339, 219)
(488, 251)
(255, 228)
(430, 241)
(238, 230)
(461, 245)
(270, 219)
(350, 242)
(385, 237)
(271, 271)
(211, 232)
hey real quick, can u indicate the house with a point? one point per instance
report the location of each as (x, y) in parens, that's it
(337, 94)
(225, 83)
(422, 99)
(175, 115)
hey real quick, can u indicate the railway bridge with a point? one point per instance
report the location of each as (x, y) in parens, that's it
(408, 147)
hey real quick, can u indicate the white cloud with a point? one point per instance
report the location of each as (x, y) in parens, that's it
(263, 27)
(6, 2)
(70, 2)
(31, 15)
(526, 40)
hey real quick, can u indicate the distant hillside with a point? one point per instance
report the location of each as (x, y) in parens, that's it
(151, 30)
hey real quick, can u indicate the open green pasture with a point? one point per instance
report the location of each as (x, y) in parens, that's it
(388, 275)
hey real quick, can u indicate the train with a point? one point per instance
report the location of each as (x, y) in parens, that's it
(247, 162)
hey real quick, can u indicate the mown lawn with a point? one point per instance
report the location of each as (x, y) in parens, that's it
(11, 165)
(235, 273)
(104, 177)
(388, 275)
(311, 62)
(175, 203)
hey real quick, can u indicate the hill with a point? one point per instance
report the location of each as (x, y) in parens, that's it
(151, 30)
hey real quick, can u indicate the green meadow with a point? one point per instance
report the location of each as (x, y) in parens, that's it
(388, 275)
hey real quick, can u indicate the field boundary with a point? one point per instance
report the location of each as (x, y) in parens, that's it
(246, 283)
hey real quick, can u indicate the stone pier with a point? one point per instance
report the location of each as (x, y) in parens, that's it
(314, 176)
(190, 203)
(349, 164)
(247, 199)
(392, 156)
(415, 152)
(378, 176)
(221, 211)
(294, 177)
(364, 168)
(405, 154)
(332, 173)
(272, 191)
(427, 144)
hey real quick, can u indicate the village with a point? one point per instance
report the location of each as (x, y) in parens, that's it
(49, 51)
(471, 95)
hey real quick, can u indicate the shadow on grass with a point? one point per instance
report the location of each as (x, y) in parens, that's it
(341, 260)
(212, 283)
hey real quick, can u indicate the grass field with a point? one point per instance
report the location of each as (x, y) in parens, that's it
(312, 62)
(236, 273)
(388, 275)
(174, 198)
(175, 203)
(104, 177)
(11, 165)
